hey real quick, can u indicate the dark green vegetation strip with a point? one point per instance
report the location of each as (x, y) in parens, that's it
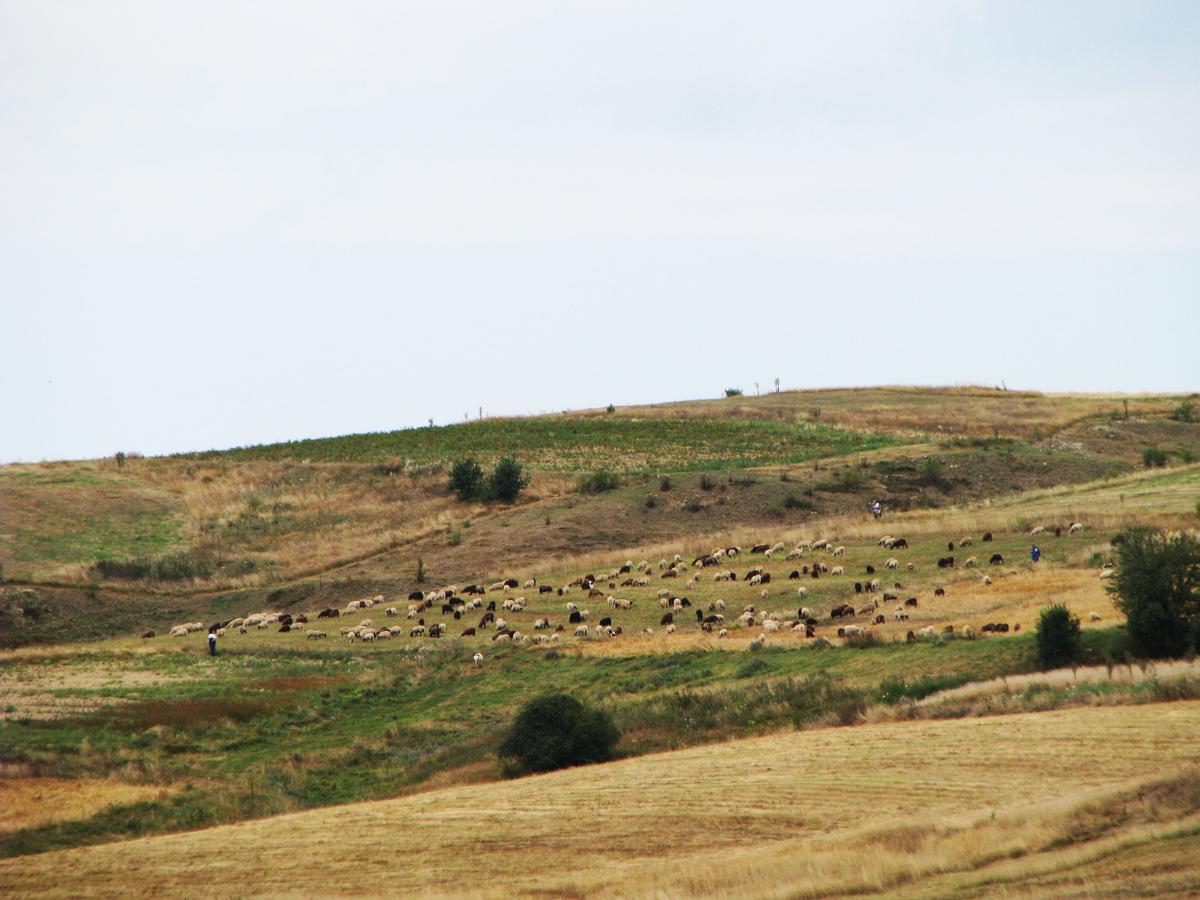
(583, 444)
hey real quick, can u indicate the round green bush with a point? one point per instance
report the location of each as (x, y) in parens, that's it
(557, 731)
(1057, 637)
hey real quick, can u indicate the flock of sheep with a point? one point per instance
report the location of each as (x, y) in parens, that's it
(455, 607)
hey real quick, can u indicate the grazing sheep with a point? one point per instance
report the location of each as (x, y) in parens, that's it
(965, 542)
(1107, 573)
(986, 579)
(670, 629)
(316, 635)
(996, 559)
(801, 592)
(839, 551)
(477, 658)
(1093, 617)
(970, 562)
(837, 570)
(939, 592)
(1075, 528)
(891, 563)
(391, 611)
(723, 633)
(1036, 530)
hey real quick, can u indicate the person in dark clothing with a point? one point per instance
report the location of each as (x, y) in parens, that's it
(1035, 553)
(212, 643)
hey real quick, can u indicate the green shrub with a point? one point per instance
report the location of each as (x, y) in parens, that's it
(466, 479)
(733, 392)
(1185, 411)
(651, 501)
(1157, 587)
(508, 479)
(1154, 457)
(791, 501)
(1057, 637)
(844, 482)
(455, 538)
(557, 731)
(706, 482)
(598, 482)
(932, 475)
(664, 483)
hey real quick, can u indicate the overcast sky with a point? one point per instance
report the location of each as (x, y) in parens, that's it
(230, 223)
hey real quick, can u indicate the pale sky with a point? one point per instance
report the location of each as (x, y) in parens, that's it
(231, 223)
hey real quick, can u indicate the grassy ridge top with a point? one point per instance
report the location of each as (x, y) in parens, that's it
(563, 443)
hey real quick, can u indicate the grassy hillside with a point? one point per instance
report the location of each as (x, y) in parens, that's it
(152, 737)
(789, 814)
(574, 444)
(271, 515)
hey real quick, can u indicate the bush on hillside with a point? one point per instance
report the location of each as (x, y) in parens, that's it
(1157, 587)
(1185, 411)
(598, 482)
(733, 392)
(508, 479)
(557, 731)
(1058, 637)
(932, 475)
(466, 479)
(1154, 456)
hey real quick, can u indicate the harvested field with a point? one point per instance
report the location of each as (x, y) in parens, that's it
(30, 802)
(623, 827)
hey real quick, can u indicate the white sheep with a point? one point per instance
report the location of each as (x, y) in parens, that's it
(723, 632)
(970, 562)
(891, 563)
(391, 611)
(801, 592)
(477, 658)
(581, 631)
(1075, 528)
(837, 570)
(670, 629)
(987, 579)
(839, 551)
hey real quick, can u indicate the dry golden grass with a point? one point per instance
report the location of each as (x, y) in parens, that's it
(30, 802)
(1145, 670)
(37, 691)
(975, 411)
(291, 519)
(795, 814)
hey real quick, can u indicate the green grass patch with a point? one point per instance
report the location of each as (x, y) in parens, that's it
(584, 444)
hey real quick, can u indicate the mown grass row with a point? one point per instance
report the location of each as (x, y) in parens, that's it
(583, 444)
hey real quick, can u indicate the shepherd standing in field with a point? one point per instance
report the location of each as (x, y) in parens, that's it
(212, 643)
(876, 509)
(1035, 553)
